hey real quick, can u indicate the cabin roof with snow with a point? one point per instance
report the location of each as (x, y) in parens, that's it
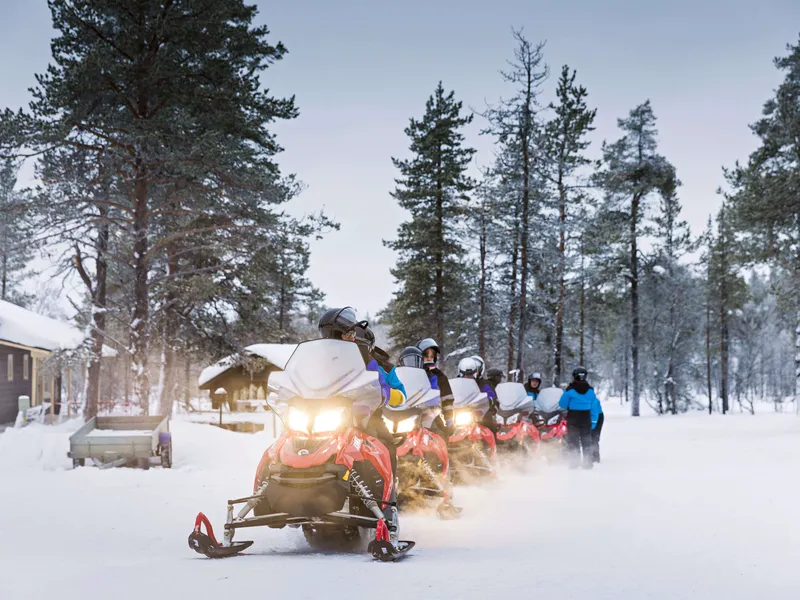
(22, 327)
(275, 354)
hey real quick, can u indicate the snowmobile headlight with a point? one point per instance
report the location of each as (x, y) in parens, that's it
(298, 420)
(513, 419)
(330, 420)
(553, 420)
(404, 426)
(407, 425)
(464, 418)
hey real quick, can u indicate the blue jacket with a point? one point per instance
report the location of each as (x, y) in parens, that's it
(389, 381)
(574, 400)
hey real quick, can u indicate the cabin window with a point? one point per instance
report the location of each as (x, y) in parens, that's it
(11, 367)
(26, 367)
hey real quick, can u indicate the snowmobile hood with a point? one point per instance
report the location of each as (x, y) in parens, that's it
(418, 389)
(322, 369)
(467, 394)
(547, 400)
(512, 396)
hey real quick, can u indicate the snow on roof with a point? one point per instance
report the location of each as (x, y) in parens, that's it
(27, 328)
(275, 354)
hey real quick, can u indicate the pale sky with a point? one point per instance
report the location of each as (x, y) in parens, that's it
(361, 68)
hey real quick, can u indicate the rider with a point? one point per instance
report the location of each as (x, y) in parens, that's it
(534, 385)
(439, 381)
(583, 410)
(495, 378)
(472, 368)
(342, 324)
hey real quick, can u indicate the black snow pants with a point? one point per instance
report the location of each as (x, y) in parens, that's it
(596, 439)
(579, 438)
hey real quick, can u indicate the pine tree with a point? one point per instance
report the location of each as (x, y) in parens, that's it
(16, 248)
(518, 128)
(633, 172)
(764, 199)
(166, 95)
(433, 186)
(566, 140)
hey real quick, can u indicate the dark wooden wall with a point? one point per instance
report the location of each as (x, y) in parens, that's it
(10, 391)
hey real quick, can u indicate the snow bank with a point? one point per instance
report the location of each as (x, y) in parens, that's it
(25, 327)
(37, 447)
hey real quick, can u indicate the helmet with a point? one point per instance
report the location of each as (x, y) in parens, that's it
(411, 357)
(338, 321)
(580, 374)
(365, 336)
(428, 343)
(469, 367)
(481, 367)
(535, 375)
(494, 375)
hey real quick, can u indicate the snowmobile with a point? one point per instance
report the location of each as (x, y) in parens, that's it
(423, 465)
(323, 474)
(548, 417)
(515, 433)
(472, 447)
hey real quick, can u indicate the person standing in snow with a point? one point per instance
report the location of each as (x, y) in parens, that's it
(582, 406)
(597, 427)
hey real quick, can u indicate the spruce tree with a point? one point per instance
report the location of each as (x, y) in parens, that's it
(432, 272)
(633, 172)
(764, 201)
(16, 247)
(566, 142)
(166, 96)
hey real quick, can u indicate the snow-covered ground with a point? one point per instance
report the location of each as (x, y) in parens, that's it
(682, 507)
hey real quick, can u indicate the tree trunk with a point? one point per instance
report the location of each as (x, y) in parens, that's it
(723, 312)
(439, 293)
(99, 309)
(635, 306)
(482, 291)
(5, 274)
(582, 318)
(523, 286)
(562, 285)
(141, 309)
(167, 398)
(512, 308)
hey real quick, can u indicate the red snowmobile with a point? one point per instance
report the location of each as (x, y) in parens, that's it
(472, 447)
(423, 464)
(323, 474)
(548, 417)
(515, 432)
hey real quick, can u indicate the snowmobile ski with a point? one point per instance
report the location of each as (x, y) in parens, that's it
(383, 549)
(206, 543)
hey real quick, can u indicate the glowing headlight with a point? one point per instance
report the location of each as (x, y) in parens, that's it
(464, 418)
(513, 419)
(404, 426)
(298, 420)
(553, 420)
(328, 420)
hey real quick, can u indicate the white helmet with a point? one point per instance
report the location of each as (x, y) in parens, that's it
(470, 366)
(482, 364)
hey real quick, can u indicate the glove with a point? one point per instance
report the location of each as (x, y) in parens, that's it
(396, 398)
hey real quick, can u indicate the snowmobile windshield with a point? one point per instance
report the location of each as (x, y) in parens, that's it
(512, 396)
(327, 370)
(466, 394)
(418, 389)
(547, 400)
